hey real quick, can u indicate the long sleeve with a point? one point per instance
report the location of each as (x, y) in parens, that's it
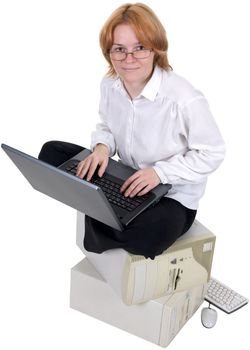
(205, 147)
(103, 134)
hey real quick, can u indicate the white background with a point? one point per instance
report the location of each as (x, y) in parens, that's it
(50, 70)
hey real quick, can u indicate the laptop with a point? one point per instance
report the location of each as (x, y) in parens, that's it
(100, 198)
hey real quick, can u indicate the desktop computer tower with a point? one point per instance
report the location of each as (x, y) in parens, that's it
(183, 266)
(157, 320)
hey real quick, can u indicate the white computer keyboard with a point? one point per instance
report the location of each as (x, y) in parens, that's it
(226, 299)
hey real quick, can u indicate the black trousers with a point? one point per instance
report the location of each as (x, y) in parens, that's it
(149, 234)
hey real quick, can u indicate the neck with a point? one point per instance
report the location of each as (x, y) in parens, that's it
(133, 89)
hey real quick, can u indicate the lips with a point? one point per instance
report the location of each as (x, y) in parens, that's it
(130, 69)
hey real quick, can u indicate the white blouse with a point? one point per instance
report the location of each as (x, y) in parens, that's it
(168, 127)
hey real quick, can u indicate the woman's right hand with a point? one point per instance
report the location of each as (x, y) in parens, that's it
(100, 156)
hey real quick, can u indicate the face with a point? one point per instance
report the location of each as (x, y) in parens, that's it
(131, 70)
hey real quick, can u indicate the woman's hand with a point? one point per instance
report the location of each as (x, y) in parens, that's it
(100, 156)
(140, 183)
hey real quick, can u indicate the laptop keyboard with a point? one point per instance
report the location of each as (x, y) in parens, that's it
(111, 189)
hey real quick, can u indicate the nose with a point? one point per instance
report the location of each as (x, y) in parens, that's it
(130, 57)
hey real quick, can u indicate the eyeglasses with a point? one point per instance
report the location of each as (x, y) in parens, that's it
(120, 54)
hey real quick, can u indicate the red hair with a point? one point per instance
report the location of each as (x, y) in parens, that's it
(147, 27)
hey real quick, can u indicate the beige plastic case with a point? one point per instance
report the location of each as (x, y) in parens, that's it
(186, 264)
(157, 321)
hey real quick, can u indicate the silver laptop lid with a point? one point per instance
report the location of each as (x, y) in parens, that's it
(66, 188)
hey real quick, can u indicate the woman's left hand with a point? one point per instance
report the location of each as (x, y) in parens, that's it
(140, 183)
